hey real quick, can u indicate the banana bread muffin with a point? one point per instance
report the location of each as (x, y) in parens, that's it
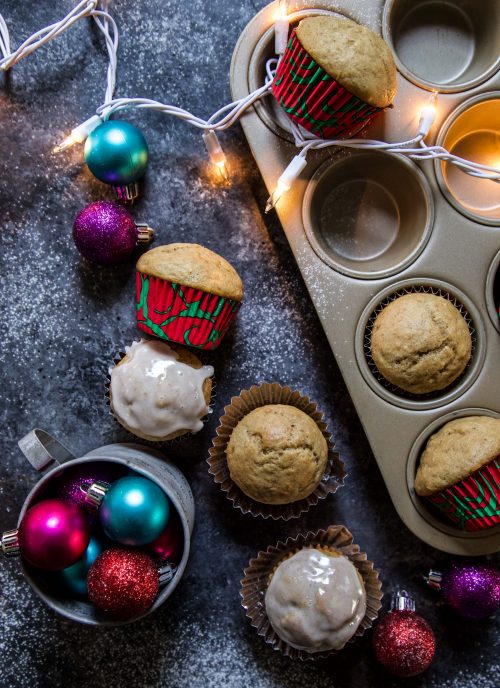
(335, 76)
(421, 343)
(459, 472)
(316, 600)
(159, 393)
(277, 454)
(187, 294)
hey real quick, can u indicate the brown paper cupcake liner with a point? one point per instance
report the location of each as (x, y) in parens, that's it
(257, 575)
(417, 289)
(158, 444)
(248, 400)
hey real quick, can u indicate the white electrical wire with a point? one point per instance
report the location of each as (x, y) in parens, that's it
(225, 117)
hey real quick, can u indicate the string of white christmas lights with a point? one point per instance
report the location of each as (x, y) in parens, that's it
(415, 148)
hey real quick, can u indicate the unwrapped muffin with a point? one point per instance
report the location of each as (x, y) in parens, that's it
(187, 294)
(421, 343)
(159, 393)
(316, 600)
(277, 454)
(335, 76)
(459, 471)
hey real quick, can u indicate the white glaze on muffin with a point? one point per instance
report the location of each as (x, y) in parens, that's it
(316, 600)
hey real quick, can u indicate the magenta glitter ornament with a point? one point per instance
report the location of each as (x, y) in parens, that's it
(106, 233)
(472, 590)
(53, 534)
(169, 545)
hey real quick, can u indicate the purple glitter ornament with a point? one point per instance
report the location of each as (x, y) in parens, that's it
(69, 485)
(472, 590)
(106, 233)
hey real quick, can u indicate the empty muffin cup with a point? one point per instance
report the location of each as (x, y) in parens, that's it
(390, 392)
(472, 132)
(257, 577)
(247, 401)
(445, 46)
(493, 292)
(368, 215)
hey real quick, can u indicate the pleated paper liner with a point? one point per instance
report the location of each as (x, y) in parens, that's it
(240, 406)
(473, 504)
(182, 314)
(257, 576)
(316, 101)
(158, 444)
(417, 289)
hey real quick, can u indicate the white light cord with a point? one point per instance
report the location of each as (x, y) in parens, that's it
(415, 148)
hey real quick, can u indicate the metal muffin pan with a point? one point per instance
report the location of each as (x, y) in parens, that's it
(424, 240)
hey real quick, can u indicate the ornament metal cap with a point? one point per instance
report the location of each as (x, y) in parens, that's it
(166, 572)
(95, 493)
(10, 543)
(402, 602)
(127, 192)
(144, 233)
(434, 579)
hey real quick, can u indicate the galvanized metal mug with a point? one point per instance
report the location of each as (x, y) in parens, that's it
(51, 458)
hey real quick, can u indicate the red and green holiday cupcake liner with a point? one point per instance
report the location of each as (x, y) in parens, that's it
(182, 314)
(474, 503)
(313, 99)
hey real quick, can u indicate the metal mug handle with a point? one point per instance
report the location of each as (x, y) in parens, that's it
(43, 451)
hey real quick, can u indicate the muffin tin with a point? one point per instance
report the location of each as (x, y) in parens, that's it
(365, 226)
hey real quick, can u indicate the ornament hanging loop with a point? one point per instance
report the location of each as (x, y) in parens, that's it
(95, 493)
(402, 602)
(145, 234)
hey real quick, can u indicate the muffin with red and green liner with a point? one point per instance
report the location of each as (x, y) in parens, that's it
(187, 294)
(459, 472)
(335, 76)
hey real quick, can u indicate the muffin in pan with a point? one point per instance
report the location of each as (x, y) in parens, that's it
(335, 76)
(186, 293)
(158, 393)
(459, 471)
(421, 343)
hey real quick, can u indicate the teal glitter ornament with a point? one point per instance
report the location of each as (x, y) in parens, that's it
(133, 510)
(74, 578)
(117, 154)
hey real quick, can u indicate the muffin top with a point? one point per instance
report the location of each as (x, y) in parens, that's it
(421, 343)
(352, 54)
(277, 454)
(158, 392)
(193, 266)
(459, 448)
(316, 600)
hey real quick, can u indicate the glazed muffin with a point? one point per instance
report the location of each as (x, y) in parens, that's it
(277, 454)
(158, 393)
(459, 471)
(421, 343)
(316, 600)
(335, 76)
(187, 294)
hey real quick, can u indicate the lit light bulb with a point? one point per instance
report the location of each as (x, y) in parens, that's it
(281, 28)
(79, 134)
(216, 154)
(427, 116)
(286, 180)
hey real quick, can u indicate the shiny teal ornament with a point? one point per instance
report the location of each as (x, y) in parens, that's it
(134, 511)
(117, 154)
(74, 578)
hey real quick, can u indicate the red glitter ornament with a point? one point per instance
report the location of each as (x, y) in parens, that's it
(123, 583)
(404, 643)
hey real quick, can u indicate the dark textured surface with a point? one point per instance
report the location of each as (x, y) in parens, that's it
(64, 319)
